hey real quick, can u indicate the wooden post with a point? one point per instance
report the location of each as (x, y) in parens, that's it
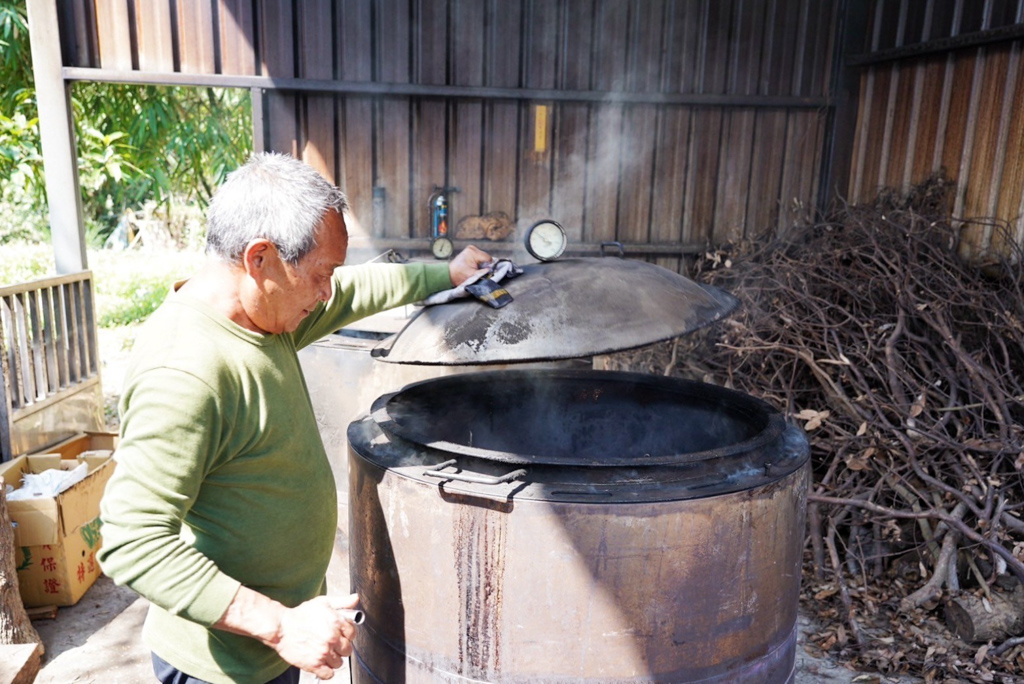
(57, 135)
(15, 626)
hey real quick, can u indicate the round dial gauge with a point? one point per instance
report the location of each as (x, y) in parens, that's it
(442, 247)
(545, 240)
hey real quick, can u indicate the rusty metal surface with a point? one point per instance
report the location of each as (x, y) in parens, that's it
(564, 309)
(565, 573)
(459, 588)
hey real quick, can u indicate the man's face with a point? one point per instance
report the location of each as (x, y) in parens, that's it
(289, 293)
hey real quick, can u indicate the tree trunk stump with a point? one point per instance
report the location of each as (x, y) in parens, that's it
(969, 619)
(15, 626)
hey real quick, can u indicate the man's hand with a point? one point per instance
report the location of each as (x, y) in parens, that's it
(468, 262)
(312, 636)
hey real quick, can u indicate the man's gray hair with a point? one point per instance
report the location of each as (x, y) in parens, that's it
(272, 196)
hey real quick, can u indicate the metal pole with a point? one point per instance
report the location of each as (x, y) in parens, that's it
(57, 135)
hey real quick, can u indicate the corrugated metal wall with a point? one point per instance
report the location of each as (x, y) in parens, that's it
(651, 122)
(957, 109)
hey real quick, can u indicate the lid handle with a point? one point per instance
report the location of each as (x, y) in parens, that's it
(474, 479)
(618, 247)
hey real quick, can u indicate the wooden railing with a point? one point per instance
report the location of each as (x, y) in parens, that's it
(48, 346)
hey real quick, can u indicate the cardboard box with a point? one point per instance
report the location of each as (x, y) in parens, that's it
(56, 538)
(82, 442)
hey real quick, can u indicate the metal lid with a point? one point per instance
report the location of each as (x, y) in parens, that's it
(562, 310)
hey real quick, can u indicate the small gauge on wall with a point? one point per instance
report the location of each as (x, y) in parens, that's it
(545, 240)
(442, 247)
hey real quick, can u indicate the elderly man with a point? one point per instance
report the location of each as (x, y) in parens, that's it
(222, 510)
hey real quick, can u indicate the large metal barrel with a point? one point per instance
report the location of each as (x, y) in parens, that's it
(523, 526)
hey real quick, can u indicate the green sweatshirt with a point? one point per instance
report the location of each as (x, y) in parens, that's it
(221, 475)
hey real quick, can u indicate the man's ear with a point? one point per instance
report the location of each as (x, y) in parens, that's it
(257, 255)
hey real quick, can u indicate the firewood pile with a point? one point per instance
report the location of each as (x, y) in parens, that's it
(905, 365)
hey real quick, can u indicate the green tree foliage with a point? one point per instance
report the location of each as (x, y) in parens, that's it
(136, 145)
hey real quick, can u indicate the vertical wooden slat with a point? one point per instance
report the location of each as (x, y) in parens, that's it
(1002, 170)
(501, 119)
(355, 115)
(22, 334)
(466, 116)
(763, 196)
(570, 133)
(639, 147)
(747, 36)
(60, 337)
(931, 75)
(429, 142)
(903, 129)
(71, 333)
(89, 316)
(237, 37)
(49, 340)
(702, 172)
(734, 176)
(969, 98)
(889, 23)
(278, 60)
(985, 167)
(6, 452)
(918, 123)
(113, 34)
(1010, 197)
(874, 122)
(81, 14)
(8, 322)
(393, 123)
(604, 149)
(640, 122)
(681, 45)
(537, 118)
(570, 148)
(430, 40)
(430, 134)
(84, 360)
(668, 184)
(604, 154)
(714, 56)
(794, 204)
(669, 181)
(779, 45)
(817, 58)
(38, 354)
(316, 61)
(195, 36)
(153, 27)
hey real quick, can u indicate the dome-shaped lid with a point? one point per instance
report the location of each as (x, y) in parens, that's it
(561, 310)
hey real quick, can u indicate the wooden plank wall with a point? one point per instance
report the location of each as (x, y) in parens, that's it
(649, 173)
(960, 110)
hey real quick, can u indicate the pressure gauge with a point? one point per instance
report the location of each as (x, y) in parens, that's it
(545, 240)
(442, 247)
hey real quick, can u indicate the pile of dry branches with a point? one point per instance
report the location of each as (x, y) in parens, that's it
(905, 365)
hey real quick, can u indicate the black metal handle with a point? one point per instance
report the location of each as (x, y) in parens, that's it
(617, 245)
(474, 479)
